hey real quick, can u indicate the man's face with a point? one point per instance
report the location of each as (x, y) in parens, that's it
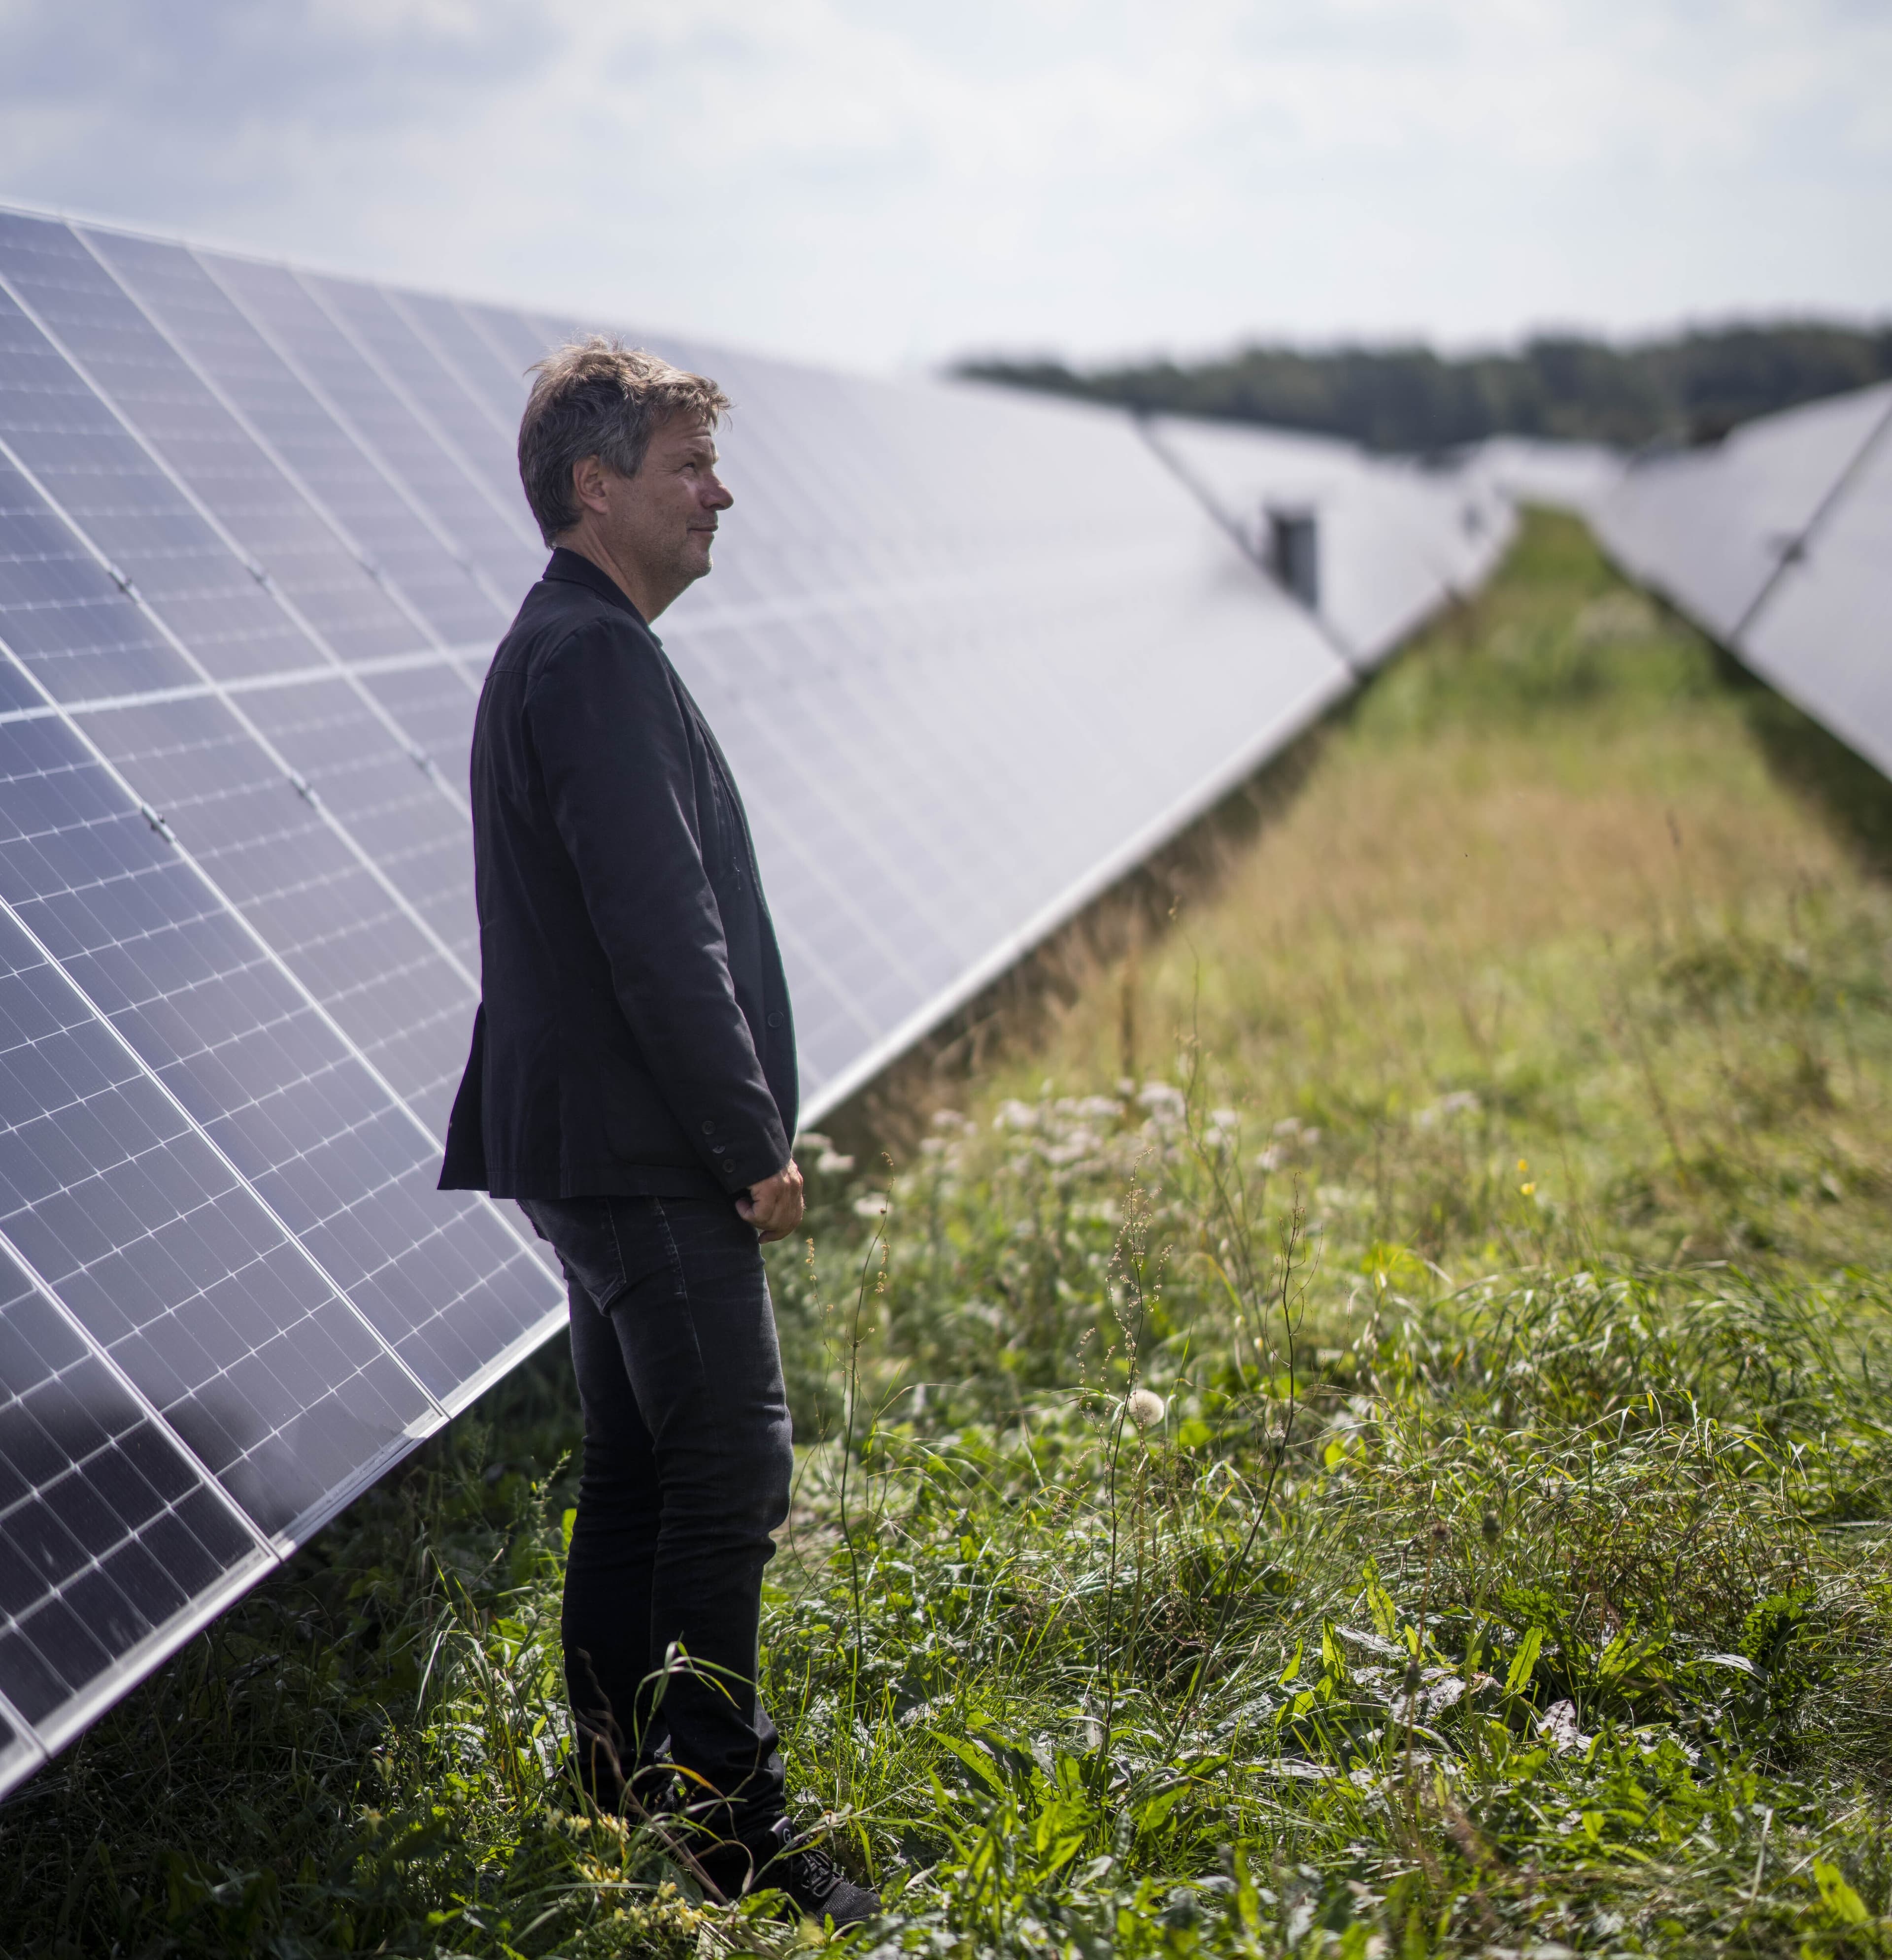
(663, 521)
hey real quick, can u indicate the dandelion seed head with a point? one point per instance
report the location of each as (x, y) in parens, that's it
(1144, 1407)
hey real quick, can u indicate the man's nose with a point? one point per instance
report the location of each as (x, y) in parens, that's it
(720, 495)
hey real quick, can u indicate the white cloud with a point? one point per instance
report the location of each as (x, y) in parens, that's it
(881, 183)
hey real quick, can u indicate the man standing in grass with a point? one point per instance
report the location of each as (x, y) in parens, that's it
(633, 1084)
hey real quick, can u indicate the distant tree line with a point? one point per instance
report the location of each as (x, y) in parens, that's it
(1693, 388)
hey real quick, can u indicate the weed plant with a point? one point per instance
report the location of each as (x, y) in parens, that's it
(1368, 1438)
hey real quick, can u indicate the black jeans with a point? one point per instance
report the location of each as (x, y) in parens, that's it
(687, 1464)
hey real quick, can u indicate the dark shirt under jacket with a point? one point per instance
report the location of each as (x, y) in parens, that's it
(634, 1036)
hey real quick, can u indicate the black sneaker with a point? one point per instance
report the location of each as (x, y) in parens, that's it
(803, 1873)
(818, 1885)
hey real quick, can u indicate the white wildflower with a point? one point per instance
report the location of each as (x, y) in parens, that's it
(1460, 1102)
(1144, 1407)
(870, 1204)
(831, 1162)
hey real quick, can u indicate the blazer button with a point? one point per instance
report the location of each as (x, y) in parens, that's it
(709, 1129)
(775, 1021)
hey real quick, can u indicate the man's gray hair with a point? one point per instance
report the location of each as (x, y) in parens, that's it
(597, 397)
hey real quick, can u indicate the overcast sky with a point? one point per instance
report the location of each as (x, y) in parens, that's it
(888, 183)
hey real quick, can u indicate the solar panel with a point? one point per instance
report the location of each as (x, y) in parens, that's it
(972, 655)
(1394, 542)
(1708, 528)
(1774, 540)
(367, 509)
(1565, 476)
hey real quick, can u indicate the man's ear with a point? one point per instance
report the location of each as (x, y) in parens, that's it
(588, 484)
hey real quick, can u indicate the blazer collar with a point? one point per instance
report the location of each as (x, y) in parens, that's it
(575, 568)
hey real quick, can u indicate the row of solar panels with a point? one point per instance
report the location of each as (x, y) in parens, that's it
(1777, 541)
(972, 655)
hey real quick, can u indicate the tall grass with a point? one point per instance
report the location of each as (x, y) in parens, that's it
(1365, 1433)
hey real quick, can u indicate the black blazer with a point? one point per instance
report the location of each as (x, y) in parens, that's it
(635, 1034)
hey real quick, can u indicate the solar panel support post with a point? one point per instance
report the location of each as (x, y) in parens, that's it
(1290, 549)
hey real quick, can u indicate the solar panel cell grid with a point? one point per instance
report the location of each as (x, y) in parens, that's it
(435, 703)
(58, 429)
(390, 806)
(340, 476)
(107, 1531)
(172, 1267)
(497, 383)
(517, 340)
(461, 421)
(434, 483)
(218, 1021)
(350, 943)
(64, 618)
(342, 929)
(150, 384)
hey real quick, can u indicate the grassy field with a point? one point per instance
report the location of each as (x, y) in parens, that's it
(1361, 1429)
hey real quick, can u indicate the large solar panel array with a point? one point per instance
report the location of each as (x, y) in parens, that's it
(972, 655)
(1777, 541)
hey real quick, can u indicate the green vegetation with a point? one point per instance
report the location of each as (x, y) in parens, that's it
(1364, 1433)
(1694, 388)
